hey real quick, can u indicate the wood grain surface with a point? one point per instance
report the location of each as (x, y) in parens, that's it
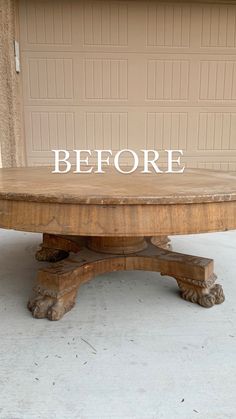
(40, 185)
(33, 199)
(57, 285)
(114, 212)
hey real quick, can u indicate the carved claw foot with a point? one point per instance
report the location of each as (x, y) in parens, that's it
(45, 254)
(45, 306)
(206, 294)
(40, 305)
(214, 296)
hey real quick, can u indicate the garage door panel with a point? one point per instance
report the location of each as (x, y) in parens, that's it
(218, 80)
(116, 77)
(49, 129)
(73, 25)
(46, 23)
(105, 130)
(168, 25)
(212, 133)
(105, 24)
(105, 79)
(49, 78)
(112, 79)
(168, 79)
(126, 25)
(218, 26)
(127, 74)
(165, 130)
(75, 78)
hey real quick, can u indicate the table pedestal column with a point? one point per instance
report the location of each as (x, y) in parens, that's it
(55, 247)
(57, 284)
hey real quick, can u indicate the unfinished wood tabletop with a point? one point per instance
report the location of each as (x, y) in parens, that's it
(41, 185)
(115, 204)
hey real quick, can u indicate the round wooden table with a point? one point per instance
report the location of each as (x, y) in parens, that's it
(96, 223)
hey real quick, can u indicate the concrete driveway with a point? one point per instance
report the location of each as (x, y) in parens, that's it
(131, 348)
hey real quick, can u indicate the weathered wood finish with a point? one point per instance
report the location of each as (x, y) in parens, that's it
(55, 248)
(163, 242)
(117, 220)
(57, 285)
(116, 245)
(39, 184)
(103, 220)
(112, 204)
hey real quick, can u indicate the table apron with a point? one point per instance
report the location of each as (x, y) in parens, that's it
(117, 220)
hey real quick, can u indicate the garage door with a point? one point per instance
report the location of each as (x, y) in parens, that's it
(127, 74)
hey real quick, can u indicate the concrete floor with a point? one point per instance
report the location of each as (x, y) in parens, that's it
(152, 354)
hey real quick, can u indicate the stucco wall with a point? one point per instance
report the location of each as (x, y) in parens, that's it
(11, 138)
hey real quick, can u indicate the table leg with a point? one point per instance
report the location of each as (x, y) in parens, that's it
(57, 285)
(207, 294)
(57, 247)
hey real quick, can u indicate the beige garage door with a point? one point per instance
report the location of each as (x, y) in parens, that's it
(127, 74)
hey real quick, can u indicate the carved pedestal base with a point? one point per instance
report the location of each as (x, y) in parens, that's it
(57, 285)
